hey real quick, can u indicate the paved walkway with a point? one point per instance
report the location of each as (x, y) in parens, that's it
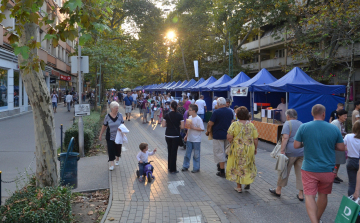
(202, 197)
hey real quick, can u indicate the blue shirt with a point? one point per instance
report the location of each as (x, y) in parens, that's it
(128, 100)
(319, 138)
(221, 118)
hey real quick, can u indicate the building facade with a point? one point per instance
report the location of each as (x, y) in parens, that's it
(57, 73)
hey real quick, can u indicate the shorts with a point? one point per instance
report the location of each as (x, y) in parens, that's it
(219, 146)
(317, 182)
(143, 111)
(128, 109)
(54, 104)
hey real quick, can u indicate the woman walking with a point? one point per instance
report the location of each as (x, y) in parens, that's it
(173, 121)
(296, 156)
(243, 137)
(111, 123)
(352, 142)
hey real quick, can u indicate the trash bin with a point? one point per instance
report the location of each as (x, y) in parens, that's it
(68, 166)
(68, 169)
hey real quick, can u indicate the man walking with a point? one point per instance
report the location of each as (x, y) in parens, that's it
(219, 124)
(69, 99)
(193, 140)
(201, 107)
(134, 96)
(128, 100)
(214, 103)
(320, 139)
(54, 100)
(333, 115)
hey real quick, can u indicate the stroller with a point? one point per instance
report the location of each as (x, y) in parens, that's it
(148, 171)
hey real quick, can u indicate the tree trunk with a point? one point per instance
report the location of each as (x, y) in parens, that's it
(34, 83)
(349, 77)
(183, 59)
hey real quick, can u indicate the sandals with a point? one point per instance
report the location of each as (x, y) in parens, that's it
(239, 190)
(273, 191)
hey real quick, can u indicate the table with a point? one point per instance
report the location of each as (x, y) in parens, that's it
(268, 131)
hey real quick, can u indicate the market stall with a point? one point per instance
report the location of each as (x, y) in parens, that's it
(207, 95)
(209, 88)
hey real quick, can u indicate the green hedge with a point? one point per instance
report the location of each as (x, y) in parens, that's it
(34, 204)
(91, 130)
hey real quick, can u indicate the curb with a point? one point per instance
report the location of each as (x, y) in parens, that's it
(110, 200)
(13, 116)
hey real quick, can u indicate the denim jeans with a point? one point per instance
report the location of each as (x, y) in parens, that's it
(68, 106)
(352, 166)
(190, 146)
(202, 116)
(141, 169)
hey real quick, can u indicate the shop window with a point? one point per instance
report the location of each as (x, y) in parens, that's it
(16, 88)
(3, 87)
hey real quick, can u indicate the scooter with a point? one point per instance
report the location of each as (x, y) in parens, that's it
(148, 171)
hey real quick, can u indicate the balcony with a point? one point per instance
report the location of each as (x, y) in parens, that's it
(251, 45)
(251, 66)
(273, 63)
(299, 60)
(270, 40)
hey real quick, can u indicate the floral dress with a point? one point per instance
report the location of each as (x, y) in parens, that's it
(241, 161)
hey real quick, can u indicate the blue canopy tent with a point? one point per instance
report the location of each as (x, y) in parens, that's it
(156, 89)
(168, 89)
(225, 78)
(207, 95)
(240, 78)
(179, 83)
(175, 89)
(166, 86)
(304, 92)
(188, 86)
(263, 77)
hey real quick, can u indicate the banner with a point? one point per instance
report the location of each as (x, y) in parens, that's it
(196, 67)
(239, 91)
(65, 78)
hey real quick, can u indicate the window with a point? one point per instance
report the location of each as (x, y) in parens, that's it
(279, 53)
(16, 88)
(255, 59)
(256, 37)
(3, 88)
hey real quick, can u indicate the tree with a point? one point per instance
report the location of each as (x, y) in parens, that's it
(326, 35)
(24, 41)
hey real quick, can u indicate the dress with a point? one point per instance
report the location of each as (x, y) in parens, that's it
(241, 161)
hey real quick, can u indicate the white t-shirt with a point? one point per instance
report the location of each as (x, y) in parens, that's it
(192, 101)
(69, 98)
(353, 145)
(145, 95)
(143, 156)
(214, 104)
(195, 135)
(283, 110)
(134, 96)
(54, 98)
(201, 106)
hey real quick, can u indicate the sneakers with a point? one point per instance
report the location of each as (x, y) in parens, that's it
(140, 179)
(111, 168)
(184, 169)
(116, 163)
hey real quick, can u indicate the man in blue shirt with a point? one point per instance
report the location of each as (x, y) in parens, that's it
(219, 124)
(128, 101)
(320, 139)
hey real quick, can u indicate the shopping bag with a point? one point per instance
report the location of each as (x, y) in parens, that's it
(277, 149)
(348, 210)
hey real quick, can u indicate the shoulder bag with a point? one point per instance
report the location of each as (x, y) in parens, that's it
(276, 151)
(181, 143)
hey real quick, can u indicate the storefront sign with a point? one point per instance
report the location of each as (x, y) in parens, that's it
(82, 110)
(65, 78)
(52, 80)
(239, 91)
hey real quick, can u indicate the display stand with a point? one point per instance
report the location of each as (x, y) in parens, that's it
(268, 131)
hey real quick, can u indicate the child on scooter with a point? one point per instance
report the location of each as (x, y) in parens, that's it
(142, 157)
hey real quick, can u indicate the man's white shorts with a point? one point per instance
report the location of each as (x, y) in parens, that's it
(128, 109)
(219, 150)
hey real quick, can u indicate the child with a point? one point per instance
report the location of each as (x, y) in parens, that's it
(193, 138)
(142, 157)
(152, 110)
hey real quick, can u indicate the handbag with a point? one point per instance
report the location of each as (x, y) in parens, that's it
(348, 211)
(277, 149)
(181, 143)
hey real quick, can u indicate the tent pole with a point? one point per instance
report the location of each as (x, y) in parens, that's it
(252, 104)
(286, 101)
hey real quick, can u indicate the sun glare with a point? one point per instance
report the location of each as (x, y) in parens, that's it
(170, 35)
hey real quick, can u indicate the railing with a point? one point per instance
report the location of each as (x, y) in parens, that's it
(251, 66)
(273, 63)
(251, 45)
(269, 40)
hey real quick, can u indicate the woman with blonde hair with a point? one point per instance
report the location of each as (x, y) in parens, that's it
(243, 137)
(352, 142)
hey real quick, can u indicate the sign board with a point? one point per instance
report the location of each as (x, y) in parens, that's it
(84, 64)
(65, 78)
(239, 91)
(196, 67)
(82, 110)
(52, 80)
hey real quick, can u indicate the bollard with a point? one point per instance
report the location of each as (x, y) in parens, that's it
(61, 136)
(0, 187)
(74, 120)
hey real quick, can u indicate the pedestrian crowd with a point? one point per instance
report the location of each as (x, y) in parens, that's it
(315, 149)
(70, 98)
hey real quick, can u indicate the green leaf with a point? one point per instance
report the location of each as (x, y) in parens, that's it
(49, 36)
(23, 50)
(73, 4)
(84, 38)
